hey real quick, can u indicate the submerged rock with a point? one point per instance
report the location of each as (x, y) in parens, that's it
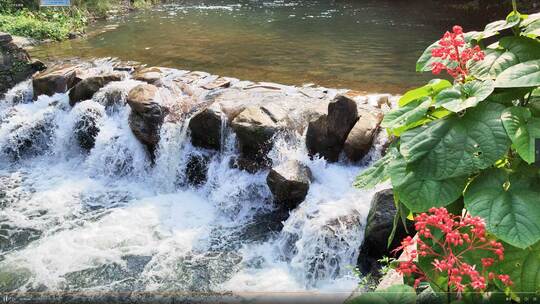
(196, 169)
(146, 115)
(87, 87)
(15, 63)
(289, 183)
(360, 139)
(57, 79)
(379, 226)
(327, 134)
(30, 139)
(86, 128)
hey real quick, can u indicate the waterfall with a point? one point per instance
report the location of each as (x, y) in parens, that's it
(106, 219)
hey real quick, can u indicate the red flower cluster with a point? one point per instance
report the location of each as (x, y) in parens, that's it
(455, 54)
(455, 236)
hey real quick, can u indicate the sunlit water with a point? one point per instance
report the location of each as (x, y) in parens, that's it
(369, 45)
(105, 220)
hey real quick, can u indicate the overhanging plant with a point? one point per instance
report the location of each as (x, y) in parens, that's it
(471, 141)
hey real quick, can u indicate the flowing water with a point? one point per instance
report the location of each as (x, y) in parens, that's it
(105, 220)
(369, 45)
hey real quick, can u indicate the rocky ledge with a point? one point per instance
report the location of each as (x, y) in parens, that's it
(339, 125)
(15, 63)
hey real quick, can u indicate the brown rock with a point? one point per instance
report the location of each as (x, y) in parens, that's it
(57, 79)
(360, 139)
(146, 115)
(87, 87)
(254, 128)
(327, 134)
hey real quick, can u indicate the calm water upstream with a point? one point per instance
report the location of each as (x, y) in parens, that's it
(369, 45)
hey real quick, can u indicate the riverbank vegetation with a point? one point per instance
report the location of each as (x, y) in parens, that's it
(26, 18)
(468, 147)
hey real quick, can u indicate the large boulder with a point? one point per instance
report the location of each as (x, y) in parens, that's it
(327, 134)
(146, 115)
(255, 127)
(360, 139)
(57, 79)
(289, 183)
(379, 226)
(206, 128)
(15, 64)
(87, 87)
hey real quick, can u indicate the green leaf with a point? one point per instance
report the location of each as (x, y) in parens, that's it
(377, 173)
(525, 49)
(533, 30)
(526, 74)
(522, 130)
(493, 64)
(509, 205)
(457, 146)
(395, 294)
(419, 194)
(495, 27)
(405, 117)
(523, 267)
(463, 96)
(430, 89)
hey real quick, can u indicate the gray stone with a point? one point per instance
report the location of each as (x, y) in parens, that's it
(360, 139)
(379, 226)
(87, 87)
(289, 183)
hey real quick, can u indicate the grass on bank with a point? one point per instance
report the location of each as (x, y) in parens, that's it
(26, 18)
(49, 24)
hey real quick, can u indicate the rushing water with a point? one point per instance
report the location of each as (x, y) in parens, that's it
(105, 220)
(369, 45)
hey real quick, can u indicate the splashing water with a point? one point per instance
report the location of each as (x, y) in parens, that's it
(106, 220)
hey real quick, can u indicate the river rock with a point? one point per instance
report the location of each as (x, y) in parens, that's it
(87, 87)
(379, 226)
(254, 129)
(289, 183)
(152, 75)
(86, 128)
(58, 79)
(327, 134)
(360, 139)
(146, 115)
(205, 128)
(15, 64)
